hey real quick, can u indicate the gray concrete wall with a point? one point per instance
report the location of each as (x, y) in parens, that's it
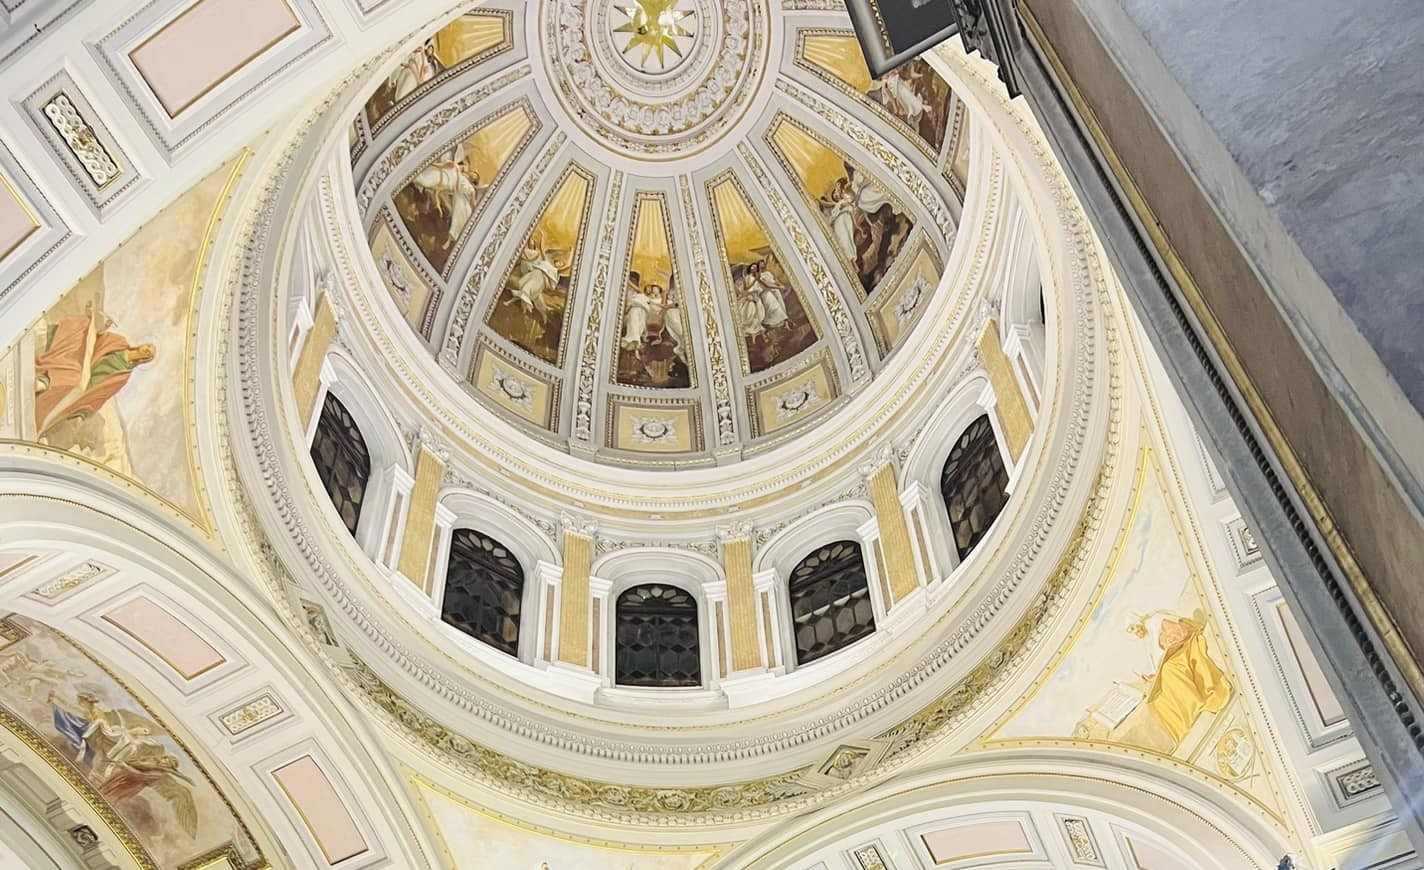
(1320, 107)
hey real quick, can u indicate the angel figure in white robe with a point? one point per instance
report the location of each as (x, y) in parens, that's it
(419, 67)
(773, 296)
(28, 673)
(455, 185)
(536, 274)
(748, 308)
(636, 315)
(672, 326)
(897, 92)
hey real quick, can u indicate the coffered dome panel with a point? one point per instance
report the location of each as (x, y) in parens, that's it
(659, 233)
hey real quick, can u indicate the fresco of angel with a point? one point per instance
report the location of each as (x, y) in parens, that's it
(915, 94)
(865, 225)
(122, 755)
(653, 346)
(536, 276)
(453, 184)
(28, 673)
(419, 67)
(761, 300)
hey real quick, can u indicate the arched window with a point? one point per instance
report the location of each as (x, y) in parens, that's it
(342, 461)
(484, 587)
(655, 639)
(830, 600)
(974, 485)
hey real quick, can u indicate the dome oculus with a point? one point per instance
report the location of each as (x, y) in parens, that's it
(656, 36)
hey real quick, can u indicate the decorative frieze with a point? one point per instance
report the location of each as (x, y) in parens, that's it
(70, 580)
(251, 714)
(83, 143)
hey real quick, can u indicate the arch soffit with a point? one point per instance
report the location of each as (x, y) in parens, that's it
(681, 568)
(785, 550)
(378, 426)
(1199, 821)
(71, 524)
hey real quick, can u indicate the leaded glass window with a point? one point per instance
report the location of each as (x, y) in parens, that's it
(342, 461)
(830, 600)
(484, 588)
(655, 640)
(974, 485)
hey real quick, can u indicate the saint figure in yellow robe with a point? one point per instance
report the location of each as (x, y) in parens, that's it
(1187, 682)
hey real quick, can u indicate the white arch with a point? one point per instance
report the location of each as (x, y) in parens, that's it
(1182, 815)
(72, 521)
(843, 521)
(467, 509)
(840, 521)
(1022, 332)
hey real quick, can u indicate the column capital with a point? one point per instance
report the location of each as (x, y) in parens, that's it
(424, 436)
(569, 523)
(883, 456)
(734, 530)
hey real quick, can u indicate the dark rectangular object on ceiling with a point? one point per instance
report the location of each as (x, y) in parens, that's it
(894, 31)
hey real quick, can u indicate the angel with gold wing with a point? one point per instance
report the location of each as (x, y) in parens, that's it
(123, 755)
(159, 773)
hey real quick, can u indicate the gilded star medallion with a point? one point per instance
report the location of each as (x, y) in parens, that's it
(654, 36)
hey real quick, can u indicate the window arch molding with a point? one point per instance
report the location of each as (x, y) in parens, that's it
(381, 524)
(852, 520)
(537, 556)
(696, 574)
(1022, 286)
(921, 470)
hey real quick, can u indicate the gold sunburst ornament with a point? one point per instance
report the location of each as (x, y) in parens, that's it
(654, 28)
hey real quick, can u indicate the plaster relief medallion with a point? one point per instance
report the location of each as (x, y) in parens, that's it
(1235, 753)
(516, 390)
(652, 430)
(910, 302)
(792, 402)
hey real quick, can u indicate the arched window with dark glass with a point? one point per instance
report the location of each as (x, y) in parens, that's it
(655, 638)
(484, 590)
(974, 485)
(830, 600)
(342, 461)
